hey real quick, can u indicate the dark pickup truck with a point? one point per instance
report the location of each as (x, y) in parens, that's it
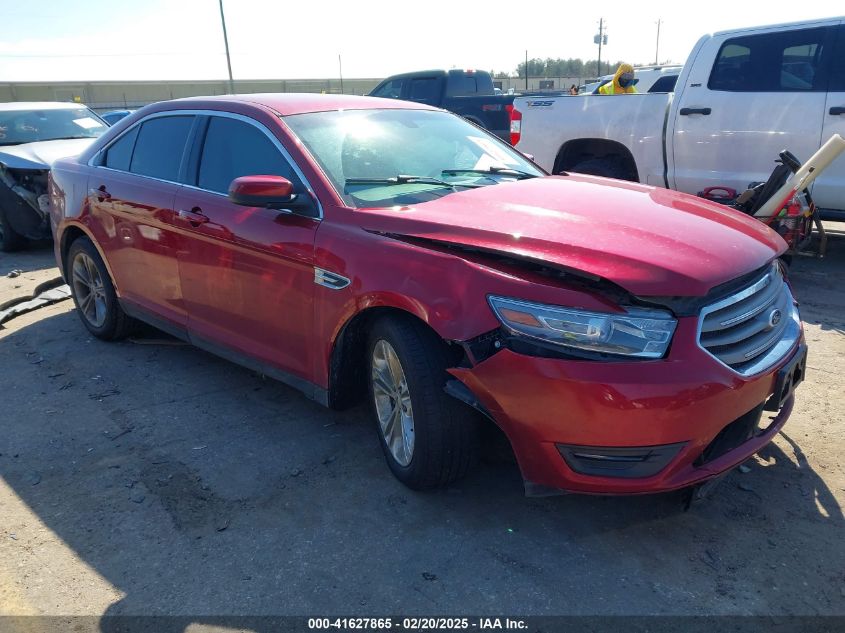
(469, 93)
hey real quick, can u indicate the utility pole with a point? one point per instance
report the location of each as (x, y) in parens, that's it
(226, 43)
(600, 39)
(657, 46)
(340, 71)
(526, 70)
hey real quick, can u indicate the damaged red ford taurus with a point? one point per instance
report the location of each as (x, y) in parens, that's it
(626, 339)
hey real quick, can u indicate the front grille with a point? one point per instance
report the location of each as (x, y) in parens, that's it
(753, 328)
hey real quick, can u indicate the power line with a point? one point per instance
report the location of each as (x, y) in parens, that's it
(66, 55)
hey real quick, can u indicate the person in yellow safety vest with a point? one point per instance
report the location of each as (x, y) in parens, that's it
(622, 83)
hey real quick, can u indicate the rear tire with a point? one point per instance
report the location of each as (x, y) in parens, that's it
(607, 167)
(10, 239)
(429, 439)
(93, 293)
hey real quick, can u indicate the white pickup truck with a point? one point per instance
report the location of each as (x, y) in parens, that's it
(741, 98)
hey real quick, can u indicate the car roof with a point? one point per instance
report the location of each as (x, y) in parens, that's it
(288, 103)
(39, 105)
(784, 25)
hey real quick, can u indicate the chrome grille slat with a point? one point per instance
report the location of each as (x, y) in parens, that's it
(745, 308)
(742, 330)
(746, 330)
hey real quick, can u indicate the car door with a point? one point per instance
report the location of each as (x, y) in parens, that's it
(131, 193)
(247, 273)
(829, 188)
(747, 98)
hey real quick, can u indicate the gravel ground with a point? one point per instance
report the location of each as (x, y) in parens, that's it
(147, 477)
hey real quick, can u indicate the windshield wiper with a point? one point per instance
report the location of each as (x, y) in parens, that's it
(503, 171)
(404, 179)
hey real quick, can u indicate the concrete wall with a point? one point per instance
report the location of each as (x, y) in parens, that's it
(105, 95)
(109, 95)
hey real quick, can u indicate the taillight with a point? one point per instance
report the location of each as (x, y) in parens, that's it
(516, 124)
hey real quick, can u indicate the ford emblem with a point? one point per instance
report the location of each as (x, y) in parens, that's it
(774, 318)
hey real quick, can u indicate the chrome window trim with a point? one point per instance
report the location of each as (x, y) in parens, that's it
(791, 334)
(230, 115)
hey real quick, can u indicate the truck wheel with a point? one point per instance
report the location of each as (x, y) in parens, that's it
(429, 439)
(606, 167)
(10, 239)
(93, 293)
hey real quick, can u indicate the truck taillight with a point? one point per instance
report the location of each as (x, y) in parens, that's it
(516, 124)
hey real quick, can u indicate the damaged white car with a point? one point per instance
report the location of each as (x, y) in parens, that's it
(32, 137)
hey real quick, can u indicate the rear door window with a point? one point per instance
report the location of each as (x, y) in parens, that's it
(425, 90)
(234, 148)
(119, 153)
(159, 147)
(391, 90)
(787, 61)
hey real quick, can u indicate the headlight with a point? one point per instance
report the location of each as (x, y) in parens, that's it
(638, 332)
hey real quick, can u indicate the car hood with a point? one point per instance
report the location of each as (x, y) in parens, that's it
(41, 154)
(650, 241)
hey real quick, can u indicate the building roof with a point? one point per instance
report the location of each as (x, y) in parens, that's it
(39, 105)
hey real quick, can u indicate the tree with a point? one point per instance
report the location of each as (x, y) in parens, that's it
(572, 67)
(536, 67)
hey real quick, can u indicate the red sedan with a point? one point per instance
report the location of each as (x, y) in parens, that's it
(626, 339)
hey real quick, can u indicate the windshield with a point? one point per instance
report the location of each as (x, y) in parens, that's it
(28, 126)
(378, 158)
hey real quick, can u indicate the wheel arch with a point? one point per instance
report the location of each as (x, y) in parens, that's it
(69, 235)
(578, 150)
(346, 382)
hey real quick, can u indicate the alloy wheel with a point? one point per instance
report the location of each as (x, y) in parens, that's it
(89, 290)
(393, 402)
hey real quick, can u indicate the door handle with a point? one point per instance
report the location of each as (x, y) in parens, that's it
(100, 193)
(837, 110)
(688, 111)
(194, 216)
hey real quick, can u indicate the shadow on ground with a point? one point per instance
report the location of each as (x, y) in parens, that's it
(196, 487)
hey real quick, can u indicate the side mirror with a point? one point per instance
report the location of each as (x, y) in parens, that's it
(271, 192)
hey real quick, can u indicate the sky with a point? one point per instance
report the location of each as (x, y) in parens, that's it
(94, 40)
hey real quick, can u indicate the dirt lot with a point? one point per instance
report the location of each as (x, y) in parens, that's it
(148, 477)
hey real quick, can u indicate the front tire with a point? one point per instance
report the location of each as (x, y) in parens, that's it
(93, 293)
(429, 439)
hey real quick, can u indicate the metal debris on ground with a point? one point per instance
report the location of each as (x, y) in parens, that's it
(45, 294)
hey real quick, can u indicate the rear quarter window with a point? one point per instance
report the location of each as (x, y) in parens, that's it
(119, 153)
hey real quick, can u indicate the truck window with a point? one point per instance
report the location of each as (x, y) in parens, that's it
(837, 71)
(461, 85)
(665, 84)
(788, 61)
(391, 90)
(425, 90)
